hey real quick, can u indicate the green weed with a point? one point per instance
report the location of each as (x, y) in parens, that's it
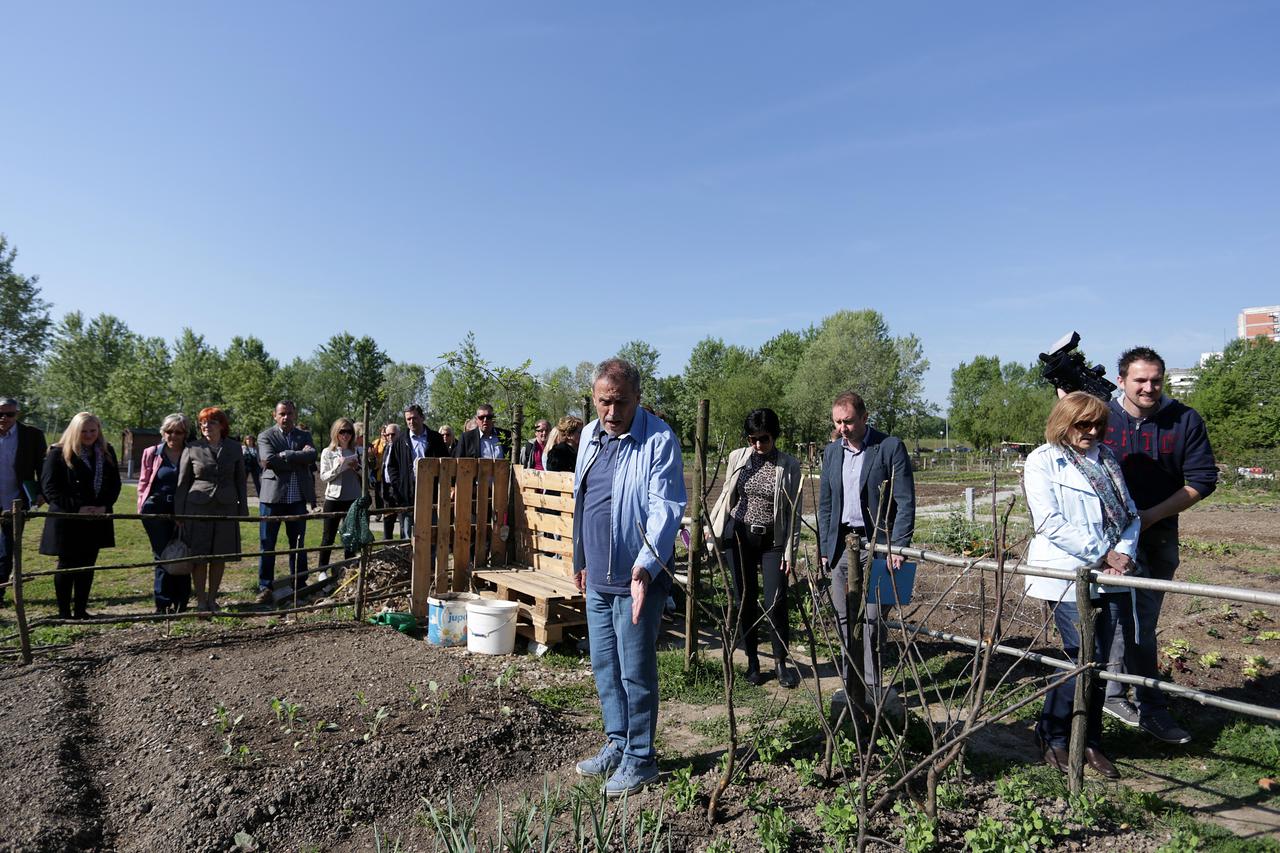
(775, 828)
(682, 790)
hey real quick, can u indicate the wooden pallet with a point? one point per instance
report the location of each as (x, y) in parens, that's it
(549, 602)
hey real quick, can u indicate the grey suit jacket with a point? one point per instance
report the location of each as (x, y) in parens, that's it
(207, 480)
(887, 461)
(282, 456)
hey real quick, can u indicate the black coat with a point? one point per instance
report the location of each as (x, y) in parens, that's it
(67, 489)
(468, 446)
(400, 484)
(562, 457)
(29, 460)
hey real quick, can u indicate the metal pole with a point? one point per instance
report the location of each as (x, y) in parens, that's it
(19, 608)
(696, 549)
(1084, 684)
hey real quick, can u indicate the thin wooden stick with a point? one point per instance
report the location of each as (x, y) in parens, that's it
(19, 608)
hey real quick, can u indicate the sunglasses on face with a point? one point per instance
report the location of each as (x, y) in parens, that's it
(484, 417)
(13, 414)
(346, 432)
(759, 439)
(1085, 426)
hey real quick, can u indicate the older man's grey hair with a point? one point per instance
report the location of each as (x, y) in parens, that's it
(618, 371)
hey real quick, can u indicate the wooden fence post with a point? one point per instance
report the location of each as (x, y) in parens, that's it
(696, 549)
(19, 608)
(1084, 683)
(421, 574)
(513, 487)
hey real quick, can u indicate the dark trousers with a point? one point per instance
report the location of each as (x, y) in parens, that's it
(269, 532)
(331, 529)
(389, 519)
(71, 587)
(172, 592)
(755, 554)
(6, 551)
(873, 632)
(1158, 557)
(1054, 728)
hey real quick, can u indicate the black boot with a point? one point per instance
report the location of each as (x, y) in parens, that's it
(753, 675)
(787, 676)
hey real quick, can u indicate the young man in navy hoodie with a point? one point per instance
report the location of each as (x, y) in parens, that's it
(1168, 465)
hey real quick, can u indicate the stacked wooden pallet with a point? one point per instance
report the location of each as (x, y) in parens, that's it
(542, 578)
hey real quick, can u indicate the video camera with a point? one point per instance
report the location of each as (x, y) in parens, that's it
(1064, 367)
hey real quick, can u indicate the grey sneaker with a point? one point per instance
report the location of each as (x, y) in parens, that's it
(631, 777)
(603, 763)
(1161, 726)
(1122, 709)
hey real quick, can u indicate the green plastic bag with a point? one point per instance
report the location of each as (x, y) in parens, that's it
(354, 528)
(402, 622)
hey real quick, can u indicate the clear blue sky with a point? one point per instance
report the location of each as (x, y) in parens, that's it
(562, 178)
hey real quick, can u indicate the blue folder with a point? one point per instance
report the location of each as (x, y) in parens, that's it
(890, 588)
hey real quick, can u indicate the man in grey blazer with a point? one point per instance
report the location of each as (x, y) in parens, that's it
(859, 468)
(287, 455)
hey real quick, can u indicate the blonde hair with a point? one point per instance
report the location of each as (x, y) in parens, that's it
(340, 424)
(566, 427)
(1076, 406)
(70, 440)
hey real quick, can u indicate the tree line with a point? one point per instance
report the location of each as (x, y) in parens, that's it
(131, 380)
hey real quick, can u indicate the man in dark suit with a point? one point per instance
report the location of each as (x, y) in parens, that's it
(416, 441)
(286, 455)
(866, 488)
(22, 452)
(486, 441)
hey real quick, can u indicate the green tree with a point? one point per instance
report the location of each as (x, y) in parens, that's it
(24, 325)
(853, 350)
(138, 392)
(1238, 395)
(645, 358)
(402, 385)
(249, 385)
(467, 382)
(993, 402)
(347, 372)
(197, 374)
(81, 360)
(557, 395)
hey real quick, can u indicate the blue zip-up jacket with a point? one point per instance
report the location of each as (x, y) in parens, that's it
(1161, 454)
(648, 492)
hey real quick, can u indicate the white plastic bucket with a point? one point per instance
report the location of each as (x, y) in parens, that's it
(491, 626)
(447, 618)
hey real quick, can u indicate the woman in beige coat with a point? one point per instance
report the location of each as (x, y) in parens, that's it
(757, 520)
(211, 481)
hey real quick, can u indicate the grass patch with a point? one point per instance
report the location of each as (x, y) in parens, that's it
(703, 684)
(580, 696)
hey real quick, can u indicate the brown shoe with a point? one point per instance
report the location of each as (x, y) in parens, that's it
(266, 596)
(1056, 757)
(1100, 763)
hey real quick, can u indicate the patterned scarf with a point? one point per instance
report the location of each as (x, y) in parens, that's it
(92, 458)
(1107, 482)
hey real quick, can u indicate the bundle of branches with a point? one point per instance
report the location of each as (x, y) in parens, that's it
(388, 571)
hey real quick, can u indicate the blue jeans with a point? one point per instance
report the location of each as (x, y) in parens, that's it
(624, 658)
(1158, 558)
(1054, 728)
(269, 532)
(172, 592)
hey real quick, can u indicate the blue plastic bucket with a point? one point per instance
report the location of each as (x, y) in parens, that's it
(447, 618)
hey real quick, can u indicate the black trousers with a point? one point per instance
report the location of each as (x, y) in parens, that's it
(331, 528)
(756, 555)
(389, 519)
(172, 592)
(72, 587)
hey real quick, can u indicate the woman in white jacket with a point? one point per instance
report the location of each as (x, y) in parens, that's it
(756, 519)
(1083, 516)
(340, 471)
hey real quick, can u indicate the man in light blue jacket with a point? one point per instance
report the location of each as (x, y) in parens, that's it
(629, 499)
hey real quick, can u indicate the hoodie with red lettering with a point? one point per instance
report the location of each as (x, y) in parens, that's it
(1161, 454)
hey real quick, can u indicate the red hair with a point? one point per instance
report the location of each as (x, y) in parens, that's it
(213, 413)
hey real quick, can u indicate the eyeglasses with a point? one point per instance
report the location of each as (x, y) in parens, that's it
(1085, 426)
(484, 417)
(12, 414)
(175, 432)
(759, 439)
(346, 432)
